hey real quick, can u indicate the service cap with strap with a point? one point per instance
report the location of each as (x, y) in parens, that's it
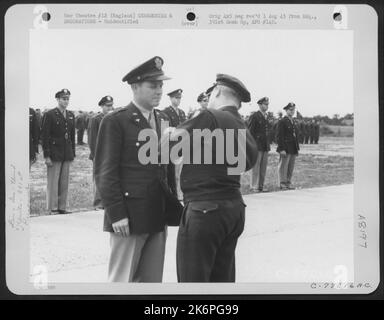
(150, 70)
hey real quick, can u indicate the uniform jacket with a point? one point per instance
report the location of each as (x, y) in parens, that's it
(81, 122)
(58, 135)
(260, 131)
(174, 118)
(311, 129)
(317, 130)
(128, 188)
(286, 136)
(94, 125)
(212, 181)
(33, 134)
(301, 129)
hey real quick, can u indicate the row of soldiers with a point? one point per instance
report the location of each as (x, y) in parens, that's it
(307, 131)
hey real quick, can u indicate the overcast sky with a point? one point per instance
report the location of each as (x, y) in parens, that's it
(312, 68)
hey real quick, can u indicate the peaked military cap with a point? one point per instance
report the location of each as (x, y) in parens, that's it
(175, 93)
(210, 89)
(105, 100)
(235, 84)
(289, 106)
(62, 92)
(150, 70)
(201, 97)
(263, 100)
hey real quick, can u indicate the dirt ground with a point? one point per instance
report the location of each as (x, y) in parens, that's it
(327, 164)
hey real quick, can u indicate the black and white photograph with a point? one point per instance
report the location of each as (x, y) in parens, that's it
(195, 155)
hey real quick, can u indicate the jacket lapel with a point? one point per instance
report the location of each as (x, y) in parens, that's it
(61, 116)
(136, 117)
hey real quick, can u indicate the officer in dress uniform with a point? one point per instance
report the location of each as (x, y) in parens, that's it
(311, 132)
(39, 117)
(136, 197)
(213, 218)
(175, 116)
(307, 130)
(287, 146)
(259, 128)
(106, 104)
(33, 136)
(317, 131)
(209, 90)
(202, 100)
(58, 141)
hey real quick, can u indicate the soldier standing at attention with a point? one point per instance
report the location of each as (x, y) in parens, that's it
(39, 118)
(259, 128)
(175, 116)
(106, 104)
(316, 131)
(301, 130)
(213, 218)
(80, 126)
(58, 140)
(202, 100)
(311, 132)
(134, 194)
(33, 137)
(306, 131)
(287, 146)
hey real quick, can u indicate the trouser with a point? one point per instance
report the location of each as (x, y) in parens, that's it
(96, 194)
(306, 139)
(57, 186)
(178, 168)
(285, 168)
(311, 139)
(80, 135)
(174, 172)
(259, 170)
(207, 240)
(137, 258)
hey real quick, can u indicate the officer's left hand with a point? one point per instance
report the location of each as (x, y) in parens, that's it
(48, 162)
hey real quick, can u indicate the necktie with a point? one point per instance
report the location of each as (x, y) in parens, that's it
(151, 121)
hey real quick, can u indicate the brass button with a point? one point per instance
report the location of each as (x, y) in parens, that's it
(126, 194)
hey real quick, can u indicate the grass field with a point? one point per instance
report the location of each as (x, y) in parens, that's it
(326, 164)
(337, 131)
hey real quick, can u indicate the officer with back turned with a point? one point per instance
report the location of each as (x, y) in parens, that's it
(214, 216)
